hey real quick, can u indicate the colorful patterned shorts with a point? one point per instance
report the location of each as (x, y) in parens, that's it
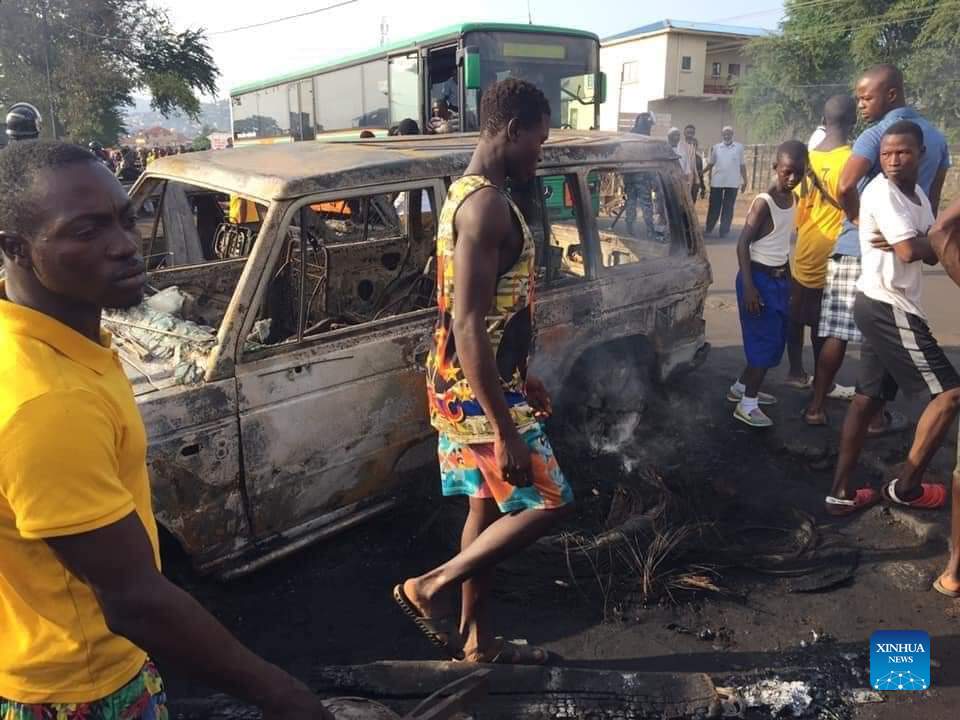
(143, 698)
(471, 469)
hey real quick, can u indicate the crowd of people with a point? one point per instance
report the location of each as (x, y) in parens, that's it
(865, 219)
(82, 598)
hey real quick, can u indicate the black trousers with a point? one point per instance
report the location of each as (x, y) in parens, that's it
(721, 205)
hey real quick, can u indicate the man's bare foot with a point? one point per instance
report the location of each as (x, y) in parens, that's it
(815, 419)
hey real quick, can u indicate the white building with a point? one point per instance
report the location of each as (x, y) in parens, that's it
(682, 72)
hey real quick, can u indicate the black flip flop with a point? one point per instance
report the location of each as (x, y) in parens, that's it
(434, 629)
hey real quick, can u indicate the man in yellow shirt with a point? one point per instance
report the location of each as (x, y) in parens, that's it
(82, 599)
(819, 220)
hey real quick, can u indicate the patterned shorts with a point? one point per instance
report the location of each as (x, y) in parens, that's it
(472, 470)
(143, 698)
(836, 314)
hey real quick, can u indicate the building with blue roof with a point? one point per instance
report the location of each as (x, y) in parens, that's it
(683, 72)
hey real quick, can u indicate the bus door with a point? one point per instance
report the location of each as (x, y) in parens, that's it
(442, 89)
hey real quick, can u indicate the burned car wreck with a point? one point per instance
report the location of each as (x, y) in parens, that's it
(277, 360)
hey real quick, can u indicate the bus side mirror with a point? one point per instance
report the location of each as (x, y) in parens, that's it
(601, 94)
(471, 68)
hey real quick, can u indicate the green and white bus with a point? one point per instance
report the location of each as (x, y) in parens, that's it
(378, 89)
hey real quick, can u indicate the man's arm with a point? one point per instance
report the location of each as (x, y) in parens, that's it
(854, 170)
(936, 189)
(945, 240)
(140, 604)
(915, 249)
(743, 177)
(483, 225)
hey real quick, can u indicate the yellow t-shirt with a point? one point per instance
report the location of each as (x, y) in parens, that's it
(243, 211)
(818, 220)
(72, 459)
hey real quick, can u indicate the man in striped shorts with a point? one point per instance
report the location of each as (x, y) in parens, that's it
(899, 350)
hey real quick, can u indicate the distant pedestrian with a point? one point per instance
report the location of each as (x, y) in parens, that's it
(899, 351)
(674, 137)
(83, 604)
(638, 187)
(763, 289)
(819, 218)
(881, 101)
(728, 175)
(690, 147)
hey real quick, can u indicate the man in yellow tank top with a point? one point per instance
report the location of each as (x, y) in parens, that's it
(484, 405)
(819, 223)
(819, 219)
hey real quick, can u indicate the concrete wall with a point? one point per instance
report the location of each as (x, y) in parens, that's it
(631, 98)
(680, 81)
(708, 114)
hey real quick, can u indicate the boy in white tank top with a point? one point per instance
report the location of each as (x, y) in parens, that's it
(763, 283)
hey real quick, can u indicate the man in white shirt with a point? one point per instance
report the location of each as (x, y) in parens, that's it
(898, 350)
(673, 137)
(728, 174)
(690, 148)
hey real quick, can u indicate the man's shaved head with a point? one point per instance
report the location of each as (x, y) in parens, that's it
(840, 111)
(889, 75)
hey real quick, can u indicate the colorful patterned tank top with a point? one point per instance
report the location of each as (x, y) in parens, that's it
(454, 409)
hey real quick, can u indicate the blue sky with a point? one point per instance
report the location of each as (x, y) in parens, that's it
(250, 55)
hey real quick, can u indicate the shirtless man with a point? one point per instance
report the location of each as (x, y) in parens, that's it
(484, 405)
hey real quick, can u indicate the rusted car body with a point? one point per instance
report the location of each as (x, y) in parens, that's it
(293, 403)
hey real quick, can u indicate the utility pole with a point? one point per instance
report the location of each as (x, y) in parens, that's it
(384, 31)
(46, 59)
(529, 13)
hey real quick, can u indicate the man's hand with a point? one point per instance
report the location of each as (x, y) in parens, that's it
(751, 298)
(880, 243)
(513, 458)
(539, 398)
(743, 187)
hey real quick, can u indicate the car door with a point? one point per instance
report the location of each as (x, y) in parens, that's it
(330, 386)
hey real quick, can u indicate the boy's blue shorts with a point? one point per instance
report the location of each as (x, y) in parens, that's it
(765, 334)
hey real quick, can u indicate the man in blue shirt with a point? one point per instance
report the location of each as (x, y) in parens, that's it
(881, 101)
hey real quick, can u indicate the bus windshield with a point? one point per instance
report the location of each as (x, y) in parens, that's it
(564, 67)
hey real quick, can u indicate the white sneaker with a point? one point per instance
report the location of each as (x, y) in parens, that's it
(755, 418)
(735, 396)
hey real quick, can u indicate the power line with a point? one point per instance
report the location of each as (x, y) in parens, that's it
(230, 30)
(284, 19)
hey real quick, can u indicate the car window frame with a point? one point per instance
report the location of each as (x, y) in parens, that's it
(291, 210)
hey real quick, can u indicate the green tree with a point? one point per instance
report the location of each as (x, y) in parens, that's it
(823, 45)
(201, 142)
(85, 58)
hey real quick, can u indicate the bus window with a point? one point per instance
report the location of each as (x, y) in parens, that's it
(274, 112)
(375, 101)
(246, 120)
(564, 68)
(404, 89)
(339, 103)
